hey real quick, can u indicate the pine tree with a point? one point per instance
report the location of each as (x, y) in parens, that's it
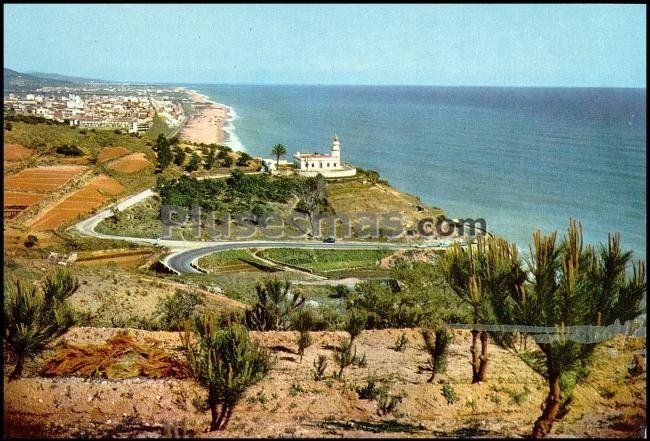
(163, 152)
(225, 361)
(33, 317)
(436, 343)
(478, 275)
(571, 285)
(274, 308)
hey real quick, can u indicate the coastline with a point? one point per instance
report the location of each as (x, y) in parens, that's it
(211, 124)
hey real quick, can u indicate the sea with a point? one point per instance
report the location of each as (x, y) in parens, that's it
(521, 158)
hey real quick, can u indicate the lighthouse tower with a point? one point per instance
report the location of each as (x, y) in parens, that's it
(336, 147)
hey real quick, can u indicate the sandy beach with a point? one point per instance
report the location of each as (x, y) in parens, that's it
(206, 125)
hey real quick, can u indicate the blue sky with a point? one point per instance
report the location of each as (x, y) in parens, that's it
(455, 45)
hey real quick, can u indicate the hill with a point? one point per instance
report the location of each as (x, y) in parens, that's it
(17, 81)
(59, 77)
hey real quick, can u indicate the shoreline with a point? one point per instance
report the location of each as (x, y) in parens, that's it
(211, 124)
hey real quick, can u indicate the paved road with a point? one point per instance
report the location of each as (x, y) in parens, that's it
(181, 260)
(185, 252)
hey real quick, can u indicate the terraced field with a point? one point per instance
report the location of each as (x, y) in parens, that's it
(109, 153)
(42, 179)
(16, 152)
(130, 163)
(80, 202)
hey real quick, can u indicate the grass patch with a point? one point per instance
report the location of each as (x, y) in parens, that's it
(327, 260)
(231, 261)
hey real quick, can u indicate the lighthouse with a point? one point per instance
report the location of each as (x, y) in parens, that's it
(336, 147)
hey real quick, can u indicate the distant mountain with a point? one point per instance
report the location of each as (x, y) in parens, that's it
(59, 77)
(17, 81)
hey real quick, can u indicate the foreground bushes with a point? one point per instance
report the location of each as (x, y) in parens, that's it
(34, 317)
(225, 361)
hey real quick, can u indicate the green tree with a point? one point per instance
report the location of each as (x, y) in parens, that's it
(33, 317)
(275, 306)
(572, 285)
(179, 156)
(163, 152)
(278, 150)
(210, 158)
(227, 162)
(356, 322)
(436, 343)
(226, 361)
(478, 275)
(244, 159)
(176, 309)
(303, 322)
(194, 164)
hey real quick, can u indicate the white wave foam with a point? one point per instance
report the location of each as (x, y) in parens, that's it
(233, 140)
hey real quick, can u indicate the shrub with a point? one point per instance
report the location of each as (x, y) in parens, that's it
(274, 308)
(69, 150)
(372, 389)
(362, 361)
(33, 318)
(31, 241)
(320, 364)
(244, 159)
(436, 346)
(401, 342)
(449, 393)
(356, 322)
(225, 361)
(304, 341)
(174, 310)
(345, 355)
(387, 404)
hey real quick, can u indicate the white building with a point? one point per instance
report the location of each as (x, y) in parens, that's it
(329, 165)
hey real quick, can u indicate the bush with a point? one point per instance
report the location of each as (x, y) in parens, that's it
(449, 393)
(436, 345)
(225, 361)
(244, 159)
(69, 150)
(372, 390)
(401, 342)
(31, 241)
(274, 308)
(176, 309)
(345, 355)
(356, 322)
(304, 341)
(387, 404)
(320, 365)
(33, 318)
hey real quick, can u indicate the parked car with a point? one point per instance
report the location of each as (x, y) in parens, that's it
(329, 240)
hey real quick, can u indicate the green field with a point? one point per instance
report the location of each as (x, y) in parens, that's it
(327, 260)
(231, 261)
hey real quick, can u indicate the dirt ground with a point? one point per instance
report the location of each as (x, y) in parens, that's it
(130, 163)
(290, 403)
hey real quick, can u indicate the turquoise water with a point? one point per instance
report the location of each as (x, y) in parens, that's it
(520, 158)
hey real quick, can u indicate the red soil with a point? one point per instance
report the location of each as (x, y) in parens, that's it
(131, 163)
(42, 179)
(109, 153)
(15, 152)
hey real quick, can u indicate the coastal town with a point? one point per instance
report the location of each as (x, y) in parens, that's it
(131, 109)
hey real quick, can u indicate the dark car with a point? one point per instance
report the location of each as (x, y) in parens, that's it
(329, 240)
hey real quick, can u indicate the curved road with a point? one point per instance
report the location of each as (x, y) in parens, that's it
(181, 261)
(185, 252)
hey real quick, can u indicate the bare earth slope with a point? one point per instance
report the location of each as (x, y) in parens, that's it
(288, 402)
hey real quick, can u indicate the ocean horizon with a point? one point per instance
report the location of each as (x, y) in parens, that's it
(521, 158)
